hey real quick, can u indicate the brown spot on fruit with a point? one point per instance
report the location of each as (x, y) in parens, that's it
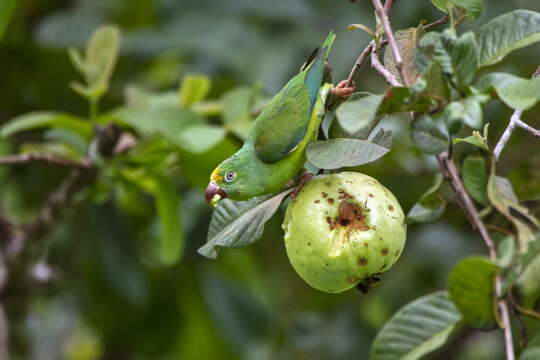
(324, 195)
(362, 261)
(317, 201)
(350, 215)
(384, 251)
(330, 201)
(343, 195)
(390, 207)
(370, 195)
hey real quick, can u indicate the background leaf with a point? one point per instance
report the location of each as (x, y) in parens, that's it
(532, 351)
(430, 206)
(516, 92)
(417, 329)
(359, 114)
(475, 178)
(338, 153)
(193, 89)
(473, 8)
(239, 223)
(407, 41)
(43, 119)
(506, 33)
(171, 240)
(182, 127)
(428, 134)
(7, 8)
(101, 55)
(471, 288)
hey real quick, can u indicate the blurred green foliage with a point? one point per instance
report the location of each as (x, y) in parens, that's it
(99, 285)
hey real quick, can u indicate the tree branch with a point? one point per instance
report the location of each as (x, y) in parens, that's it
(382, 12)
(375, 62)
(451, 173)
(359, 62)
(515, 122)
(22, 159)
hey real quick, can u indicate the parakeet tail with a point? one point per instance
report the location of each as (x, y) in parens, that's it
(315, 69)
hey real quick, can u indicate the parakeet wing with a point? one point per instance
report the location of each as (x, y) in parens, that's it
(283, 123)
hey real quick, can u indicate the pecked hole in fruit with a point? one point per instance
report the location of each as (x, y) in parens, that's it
(352, 216)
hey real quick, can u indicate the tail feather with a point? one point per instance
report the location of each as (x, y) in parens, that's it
(315, 69)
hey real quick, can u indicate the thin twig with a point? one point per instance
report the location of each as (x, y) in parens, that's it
(359, 62)
(382, 12)
(22, 159)
(375, 62)
(522, 310)
(441, 21)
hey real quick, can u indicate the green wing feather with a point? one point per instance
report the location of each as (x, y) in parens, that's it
(283, 123)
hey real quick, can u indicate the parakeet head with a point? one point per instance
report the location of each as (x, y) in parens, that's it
(226, 180)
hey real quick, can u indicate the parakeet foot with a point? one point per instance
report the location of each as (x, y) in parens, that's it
(304, 178)
(342, 90)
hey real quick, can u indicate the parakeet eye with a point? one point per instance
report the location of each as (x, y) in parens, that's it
(230, 176)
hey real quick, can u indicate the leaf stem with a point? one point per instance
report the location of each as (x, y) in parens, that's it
(441, 21)
(94, 108)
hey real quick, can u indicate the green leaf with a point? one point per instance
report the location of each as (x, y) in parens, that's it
(501, 196)
(338, 153)
(180, 126)
(457, 55)
(200, 138)
(359, 114)
(237, 103)
(363, 27)
(407, 41)
(506, 249)
(101, 55)
(239, 223)
(46, 119)
(429, 134)
(507, 33)
(473, 8)
(171, 241)
(193, 89)
(471, 288)
(532, 351)
(456, 14)
(475, 178)
(516, 92)
(476, 139)
(77, 60)
(419, 328)
(527, 270)
(464, 59)
(430, 206)
(7, 8)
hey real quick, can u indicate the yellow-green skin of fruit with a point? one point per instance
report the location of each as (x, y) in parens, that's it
(319, 248)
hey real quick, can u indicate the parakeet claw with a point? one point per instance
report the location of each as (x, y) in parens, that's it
(343, 90)
(304, 178)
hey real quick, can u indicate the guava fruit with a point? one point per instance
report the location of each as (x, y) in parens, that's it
(343, 229)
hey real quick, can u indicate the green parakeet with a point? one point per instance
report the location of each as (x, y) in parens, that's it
(274, 152)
